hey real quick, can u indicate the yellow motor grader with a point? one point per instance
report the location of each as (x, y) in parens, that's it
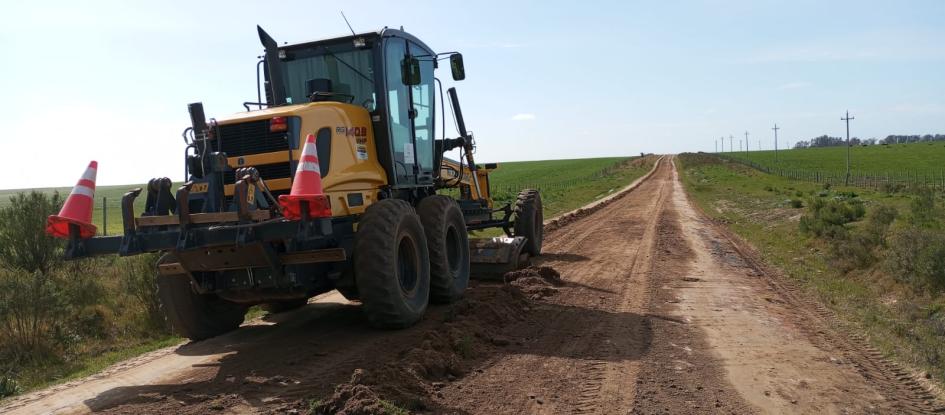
(395, 233)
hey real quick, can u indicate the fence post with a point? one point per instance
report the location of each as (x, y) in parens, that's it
(104, 216)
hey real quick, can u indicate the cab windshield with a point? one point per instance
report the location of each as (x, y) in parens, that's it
(350, 70)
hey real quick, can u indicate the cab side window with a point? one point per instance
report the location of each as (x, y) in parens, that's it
(398, 102)
(423, 103)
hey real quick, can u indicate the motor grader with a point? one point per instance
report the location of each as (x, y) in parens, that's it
(390, 230)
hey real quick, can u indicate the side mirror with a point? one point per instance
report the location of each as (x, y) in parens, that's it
(456, 65)
(410, 71)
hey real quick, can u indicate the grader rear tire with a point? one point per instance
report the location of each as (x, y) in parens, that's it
(529, 220)
(392, 265)
(448, 241)
(192, 315)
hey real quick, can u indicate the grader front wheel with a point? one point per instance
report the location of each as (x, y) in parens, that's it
(392, 264)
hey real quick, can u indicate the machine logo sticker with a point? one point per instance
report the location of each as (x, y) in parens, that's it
(352, 131)
(240, 161)
(362, 152)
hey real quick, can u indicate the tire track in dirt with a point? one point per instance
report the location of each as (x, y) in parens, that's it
(900, 387)
(585, 345)
(804, 338)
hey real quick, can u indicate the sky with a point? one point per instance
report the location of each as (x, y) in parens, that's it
(110, 81)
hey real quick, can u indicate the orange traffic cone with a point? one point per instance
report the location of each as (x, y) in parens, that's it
(78, 208)
(307, 186)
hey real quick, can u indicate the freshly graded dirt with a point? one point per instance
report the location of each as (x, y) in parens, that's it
(638, 305)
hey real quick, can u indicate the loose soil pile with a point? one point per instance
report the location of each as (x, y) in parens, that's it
(472, 330)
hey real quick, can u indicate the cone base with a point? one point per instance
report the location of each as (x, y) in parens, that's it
(58, 226)
(318, 206)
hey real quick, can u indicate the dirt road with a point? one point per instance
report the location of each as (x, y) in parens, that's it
(656, 311)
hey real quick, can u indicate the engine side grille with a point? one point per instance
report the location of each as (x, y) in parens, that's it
(251, 137)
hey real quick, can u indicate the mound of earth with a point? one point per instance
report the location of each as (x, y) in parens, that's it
(471, 330)
(535, 282)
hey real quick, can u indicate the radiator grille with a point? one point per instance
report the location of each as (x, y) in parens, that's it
(251, 137)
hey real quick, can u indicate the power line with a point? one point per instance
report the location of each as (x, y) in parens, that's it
(775, 142)
(846, 181)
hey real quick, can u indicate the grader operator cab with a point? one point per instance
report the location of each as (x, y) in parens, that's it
(359, 115)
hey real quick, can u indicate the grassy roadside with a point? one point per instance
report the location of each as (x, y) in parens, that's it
(863, 282)
(568, 184)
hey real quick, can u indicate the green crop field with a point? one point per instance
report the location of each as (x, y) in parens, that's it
(928, 157)
(565, 185)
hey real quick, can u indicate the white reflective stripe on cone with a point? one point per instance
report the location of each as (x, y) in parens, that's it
(83, 190)
(89, 174)
(310, 166)
(309, 149)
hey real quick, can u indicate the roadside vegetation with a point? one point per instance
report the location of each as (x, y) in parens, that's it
(877, 258)
(61, 320)
(567, 184)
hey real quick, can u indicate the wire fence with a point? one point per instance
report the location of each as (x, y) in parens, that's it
(884, 181)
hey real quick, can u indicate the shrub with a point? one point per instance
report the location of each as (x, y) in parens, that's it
(8, 385)
(31, 310)
(917, 256)
(923, 210)
(826, 218)
(854, 252)
(796, 203)
(877, 223)
(23, 240)
(138, 280)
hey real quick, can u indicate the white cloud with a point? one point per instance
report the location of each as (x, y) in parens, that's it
(794, 85)
(523, 117)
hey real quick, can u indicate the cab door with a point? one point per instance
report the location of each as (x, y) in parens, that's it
(422, 114)
(398, 112)
(410, 114)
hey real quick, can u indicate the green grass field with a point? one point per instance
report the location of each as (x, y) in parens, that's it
(565, 185)
(877, 159)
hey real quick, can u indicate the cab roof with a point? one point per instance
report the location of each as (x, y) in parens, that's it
(384, 32)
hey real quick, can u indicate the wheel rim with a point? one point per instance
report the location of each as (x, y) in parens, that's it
(407, 265)
(452, 250)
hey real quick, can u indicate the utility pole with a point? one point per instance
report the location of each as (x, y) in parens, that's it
(731, 148)
(716, 146)
(746, 145)
(775, 142)
(723, 143)
(846, 182)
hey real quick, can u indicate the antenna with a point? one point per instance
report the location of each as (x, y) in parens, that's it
(349, 24)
